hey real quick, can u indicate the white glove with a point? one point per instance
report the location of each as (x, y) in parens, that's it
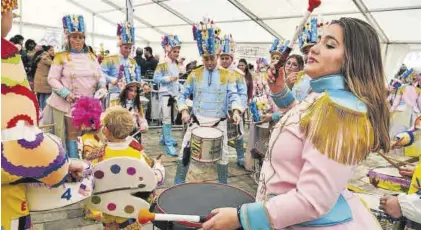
(101, 93)
(236, 117)
(185, 116)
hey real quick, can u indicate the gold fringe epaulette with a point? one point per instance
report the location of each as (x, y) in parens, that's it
(61, 57)
(418, 90)
(401, 90)
(226, 76)
(132, 61)
(110, 60)
(340, 133)
(162, 68)
(196, 75)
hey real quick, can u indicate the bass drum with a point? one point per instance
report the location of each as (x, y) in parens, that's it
(196, 199)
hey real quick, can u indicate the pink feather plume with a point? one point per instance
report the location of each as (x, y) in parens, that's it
(86, 113)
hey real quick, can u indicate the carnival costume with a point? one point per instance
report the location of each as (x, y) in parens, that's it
(117, 67)
(304, 177)
(74, 73)
(168, 92)
(86, 113)
(130, 148)
(213, 91)
(21, 138)
(228, 48)
(410, 204)
(403, 115)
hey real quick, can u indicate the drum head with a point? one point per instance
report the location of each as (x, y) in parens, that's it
(200, 199)
(207, 132)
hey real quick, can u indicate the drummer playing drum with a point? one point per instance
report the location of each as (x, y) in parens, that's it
(213, 89)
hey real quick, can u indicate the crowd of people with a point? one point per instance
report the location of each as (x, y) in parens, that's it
(330, 107)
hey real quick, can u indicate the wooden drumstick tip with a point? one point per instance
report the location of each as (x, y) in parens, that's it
(145, 216)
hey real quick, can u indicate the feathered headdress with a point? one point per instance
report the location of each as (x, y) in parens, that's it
(125, 33)
(73, 24)
(278, 46)
(228, 45)
(170, 41)
(86, 113)
(311, 32)
(207, 37)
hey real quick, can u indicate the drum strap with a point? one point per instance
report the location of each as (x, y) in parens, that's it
(195, 120)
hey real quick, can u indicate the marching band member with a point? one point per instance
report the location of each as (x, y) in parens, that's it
(166, 76)
(407, 205)
(304, 177)
(74, 73)
(117, 127)
(20, 136)
(115, 67)
(403, 114)
(213, 89)
(227, 57)
(130, 99)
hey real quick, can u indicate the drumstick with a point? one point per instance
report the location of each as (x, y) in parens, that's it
(145, 216)
(312, 4)
(389, 160)
(159, 156)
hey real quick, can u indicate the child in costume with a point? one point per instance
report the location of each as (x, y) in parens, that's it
(86, 114)
(117, 127)
(130, 99)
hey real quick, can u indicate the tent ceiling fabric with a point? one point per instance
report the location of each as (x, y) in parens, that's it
(279, 15)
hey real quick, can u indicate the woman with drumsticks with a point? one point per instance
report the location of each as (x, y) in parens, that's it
(318, 142)
(74, 73)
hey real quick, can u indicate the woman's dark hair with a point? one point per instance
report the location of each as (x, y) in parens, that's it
(300, 61)
(250, 66)
(123, 97)
(46, 48)
(249, 79)
(364, 75)
(30, 45)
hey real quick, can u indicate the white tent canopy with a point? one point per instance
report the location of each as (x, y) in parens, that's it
(253, 23)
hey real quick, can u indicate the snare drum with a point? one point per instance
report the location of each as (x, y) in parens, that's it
(197, 199)
(71, 130)
(262, 131)
(386, 222)
(206, 144)
(389, 179)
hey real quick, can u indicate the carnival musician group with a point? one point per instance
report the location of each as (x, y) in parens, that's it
(313, 118)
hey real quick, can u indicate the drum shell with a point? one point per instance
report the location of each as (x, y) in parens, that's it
(263, 131)
(71, 131)
(206, 150)
(387, 178)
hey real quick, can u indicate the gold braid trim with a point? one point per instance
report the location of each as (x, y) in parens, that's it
(340, 133)
(401, 90)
